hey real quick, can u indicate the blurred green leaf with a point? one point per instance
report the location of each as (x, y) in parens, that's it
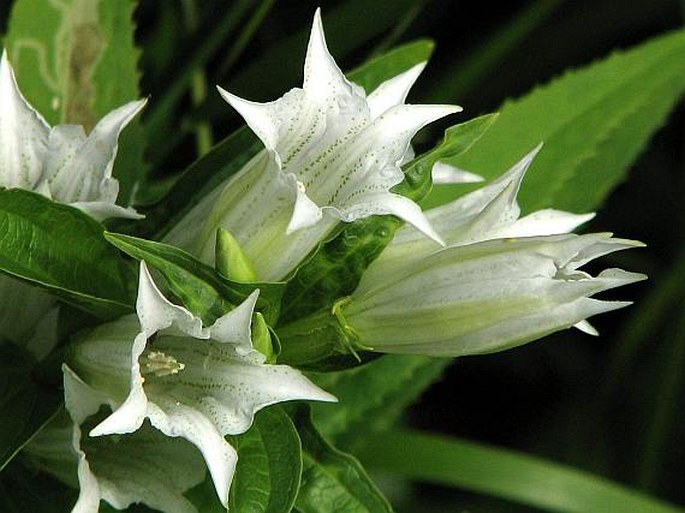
(332, 480)
(75, 61)
(201, 289)
(269, 465)
(24, 407)
(501, 473)
(495, 49)
(594, 121)
(63, 250)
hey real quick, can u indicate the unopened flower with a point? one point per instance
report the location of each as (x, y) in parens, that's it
(332, 154)
(198, 383)
(144, 467)
(60, 162)
(486, 297)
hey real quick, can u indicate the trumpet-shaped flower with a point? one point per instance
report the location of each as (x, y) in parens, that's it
(486, 297)
(199, 383)
(332, 153)
(60, 162)
(500, 282)
(144, 467)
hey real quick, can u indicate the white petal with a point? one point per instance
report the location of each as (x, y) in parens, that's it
(443, 173)
(586, 327)
(101, 210)
(81, 402)
(235, 326)
(258, 116)
(145, 467)
(306, 213)
(225, 386)
(23, 134)
(388, 203)
(176, 419)
(80, 169)
(544, 222)
(394, 91)
(156, 312)
(322, 76)
(128, 417)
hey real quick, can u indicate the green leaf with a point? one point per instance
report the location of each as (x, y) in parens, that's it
(373, 396)
(332, 480)
(521, 478)
(63, 250)
(375, 71)
(267, 478)
(201, 289)
(24, 407)
(594, 121)
(75, 61)
(335, 270)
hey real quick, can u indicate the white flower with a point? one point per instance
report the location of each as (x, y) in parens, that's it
(199, 383)
(485, 297)
(60, 162)
(332, 153)
(145, 467)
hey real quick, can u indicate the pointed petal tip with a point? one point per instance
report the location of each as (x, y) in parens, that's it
(586, 328)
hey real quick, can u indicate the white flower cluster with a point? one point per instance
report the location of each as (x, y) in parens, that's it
(466, 278)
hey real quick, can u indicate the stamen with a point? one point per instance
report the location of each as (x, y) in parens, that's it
(160, 364)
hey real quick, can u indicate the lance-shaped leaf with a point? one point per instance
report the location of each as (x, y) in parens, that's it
(62, 249)
(267, 478)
